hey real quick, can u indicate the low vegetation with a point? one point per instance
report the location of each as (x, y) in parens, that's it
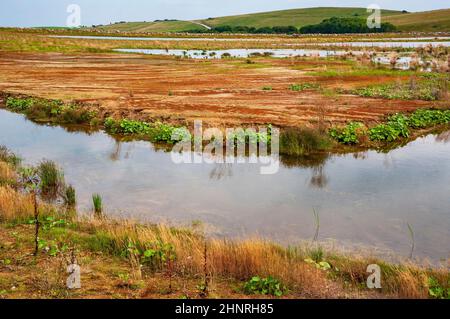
(128, 259)
(428, 87)
(303, 141)
(396, 127)
(50, 110)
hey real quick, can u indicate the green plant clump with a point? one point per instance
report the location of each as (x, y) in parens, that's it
(50, 110)
(51, 178)
(157, 132)
(349, 134)
(264, 286)
(397, 126)
(436, 291)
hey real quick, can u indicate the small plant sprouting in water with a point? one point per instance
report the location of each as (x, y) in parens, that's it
(411, 235)
(69, 196)
(52, 179)
(98, 205)
(317, 223)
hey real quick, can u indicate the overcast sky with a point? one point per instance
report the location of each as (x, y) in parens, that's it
(27, 13)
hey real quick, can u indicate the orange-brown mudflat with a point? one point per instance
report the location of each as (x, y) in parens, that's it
(220, 92)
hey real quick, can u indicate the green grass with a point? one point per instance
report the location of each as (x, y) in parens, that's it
(302, 141)
(436, 20)
(294, 17)
(98, 204)
(51, 178)
(69, 196)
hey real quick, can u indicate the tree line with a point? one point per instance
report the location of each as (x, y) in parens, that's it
(327, 26)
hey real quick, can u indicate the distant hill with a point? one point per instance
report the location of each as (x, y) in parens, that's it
(294, 17)
(437, 20)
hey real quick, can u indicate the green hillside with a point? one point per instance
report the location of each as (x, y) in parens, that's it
(295, 17)
(437, 20)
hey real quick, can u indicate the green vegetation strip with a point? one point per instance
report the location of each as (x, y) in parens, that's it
(397, 126)
(428, 87)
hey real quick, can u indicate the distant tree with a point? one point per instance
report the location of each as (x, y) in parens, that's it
(345, 25)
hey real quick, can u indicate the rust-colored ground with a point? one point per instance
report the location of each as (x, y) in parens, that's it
(222, 92)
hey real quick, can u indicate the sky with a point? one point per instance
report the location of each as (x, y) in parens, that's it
(29, 13)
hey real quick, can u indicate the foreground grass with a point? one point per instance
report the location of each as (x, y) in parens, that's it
(125, 259)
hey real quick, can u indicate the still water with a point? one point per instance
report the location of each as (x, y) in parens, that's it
(407, 43)
(364, 200)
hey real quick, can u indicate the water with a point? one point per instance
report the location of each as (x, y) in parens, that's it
(363, 199)
(403, 63)
(383, 44)
(236, 53)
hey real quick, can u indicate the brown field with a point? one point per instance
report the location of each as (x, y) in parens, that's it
(221, 92)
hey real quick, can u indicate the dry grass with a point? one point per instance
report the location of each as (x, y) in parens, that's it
(7, 174)
(227, 262)
(14, 205)
(239, 260)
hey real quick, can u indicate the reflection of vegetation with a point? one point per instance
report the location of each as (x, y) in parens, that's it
(305, 161)
(319, 178)
(169, 253)
(413, 243)
(220, 171)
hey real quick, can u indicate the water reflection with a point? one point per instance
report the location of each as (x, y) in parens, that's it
(364, 198)
(220, 171)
